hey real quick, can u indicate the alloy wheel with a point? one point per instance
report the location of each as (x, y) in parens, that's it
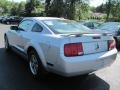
(33, 64)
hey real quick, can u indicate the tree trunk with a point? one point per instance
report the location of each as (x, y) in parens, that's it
(108, 7)
(47, 4)
(72, 10)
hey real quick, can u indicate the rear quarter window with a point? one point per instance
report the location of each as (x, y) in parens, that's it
(37, 28)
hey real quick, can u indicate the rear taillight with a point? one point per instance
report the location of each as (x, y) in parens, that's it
(111, 44)
(73, 49)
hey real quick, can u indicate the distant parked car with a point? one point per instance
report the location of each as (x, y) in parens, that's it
(1, 17)
(112, 27)
(12, 20)
(4, 19)
(91, 24)
(60, 46)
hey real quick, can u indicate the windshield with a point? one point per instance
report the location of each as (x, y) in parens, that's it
(66, 26)
(109, 26)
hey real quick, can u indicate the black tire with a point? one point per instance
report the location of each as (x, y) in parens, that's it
(39, 68)
(7, 46)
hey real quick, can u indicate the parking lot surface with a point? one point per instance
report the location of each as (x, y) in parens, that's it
(14, 75)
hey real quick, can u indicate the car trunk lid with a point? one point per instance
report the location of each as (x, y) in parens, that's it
(91, 43)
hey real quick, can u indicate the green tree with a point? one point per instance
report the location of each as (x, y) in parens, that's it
(64, 8)
(108, 8)
(21, 8)
(111, 8)
(14, 9)
(47, 6)
(5, 6)
(30, 6)
(82, 10)
(101, 8)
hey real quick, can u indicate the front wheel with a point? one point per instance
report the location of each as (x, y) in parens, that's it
(35, 65)
(7, 46)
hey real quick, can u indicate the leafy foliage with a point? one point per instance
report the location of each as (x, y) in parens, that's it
(71, 9)
(111, 8)
(11, 8)
(32, 7)
(66, 8)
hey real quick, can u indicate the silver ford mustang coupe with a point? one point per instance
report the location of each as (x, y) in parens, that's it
(60, 46)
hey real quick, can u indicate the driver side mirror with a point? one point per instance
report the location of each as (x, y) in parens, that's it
(14, 28)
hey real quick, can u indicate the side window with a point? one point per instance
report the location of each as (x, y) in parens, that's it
(89, 24)
(37, 28)
(26, 25)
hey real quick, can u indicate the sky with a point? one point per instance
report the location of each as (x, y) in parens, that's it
(17, 0)
(93, 3)
(96, 3)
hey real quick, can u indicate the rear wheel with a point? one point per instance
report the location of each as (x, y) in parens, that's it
(35, 65)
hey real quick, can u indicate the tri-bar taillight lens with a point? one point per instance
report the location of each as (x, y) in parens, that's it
(111, 44)
(73, 49)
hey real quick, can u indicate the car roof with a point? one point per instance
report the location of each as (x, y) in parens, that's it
(90, 21)
(42, 18)
(113, 22)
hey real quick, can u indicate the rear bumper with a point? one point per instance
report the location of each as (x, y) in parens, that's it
(68, 66)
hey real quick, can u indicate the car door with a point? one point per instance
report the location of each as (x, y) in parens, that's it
(12, 35)
(22, 34)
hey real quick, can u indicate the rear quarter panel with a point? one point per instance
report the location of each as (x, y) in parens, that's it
(47, 46)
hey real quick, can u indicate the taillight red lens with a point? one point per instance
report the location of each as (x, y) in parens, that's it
(73, 49)
(111, 44)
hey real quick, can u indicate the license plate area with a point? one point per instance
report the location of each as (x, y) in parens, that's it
(95, 47)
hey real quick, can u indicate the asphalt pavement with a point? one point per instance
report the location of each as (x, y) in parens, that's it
(15, 75)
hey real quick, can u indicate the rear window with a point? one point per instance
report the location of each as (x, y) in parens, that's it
(66, 26)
